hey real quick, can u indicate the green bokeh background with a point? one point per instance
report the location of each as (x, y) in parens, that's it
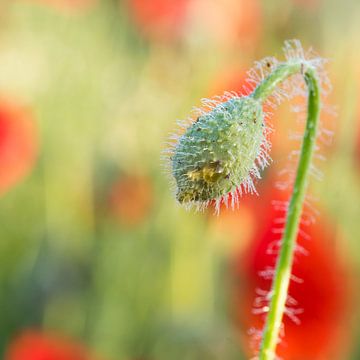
(104, 98)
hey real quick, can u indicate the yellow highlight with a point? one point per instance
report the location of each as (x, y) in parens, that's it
(210, 173)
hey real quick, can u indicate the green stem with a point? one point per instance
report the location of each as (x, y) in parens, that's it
(283, 268)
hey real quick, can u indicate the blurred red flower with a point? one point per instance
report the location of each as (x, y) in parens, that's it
(35, 345)
(18, 144)
(161, 20)
(228, 22)
(130, 199)
(319, 291)
(231, 79)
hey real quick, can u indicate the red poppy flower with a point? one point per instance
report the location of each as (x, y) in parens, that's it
(35, 345)
(314, 327)
(130, 199)
(159, 19)
(18, 144)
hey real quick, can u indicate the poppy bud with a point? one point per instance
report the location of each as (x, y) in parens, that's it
(220, 152)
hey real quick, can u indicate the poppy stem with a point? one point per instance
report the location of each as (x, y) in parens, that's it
(281, 281)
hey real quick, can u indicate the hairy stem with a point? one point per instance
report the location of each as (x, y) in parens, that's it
(281, 279)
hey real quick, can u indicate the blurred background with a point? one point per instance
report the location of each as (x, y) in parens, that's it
(97, 259)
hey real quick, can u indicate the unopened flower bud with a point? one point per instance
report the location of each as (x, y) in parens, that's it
(220, 152)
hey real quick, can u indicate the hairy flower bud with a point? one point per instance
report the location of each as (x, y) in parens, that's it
(220, 152)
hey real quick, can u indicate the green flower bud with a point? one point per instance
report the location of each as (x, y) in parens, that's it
(219, 154)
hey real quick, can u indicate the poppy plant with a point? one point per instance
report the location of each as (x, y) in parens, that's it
(318, 294)
(224, 150)
(18, 144)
